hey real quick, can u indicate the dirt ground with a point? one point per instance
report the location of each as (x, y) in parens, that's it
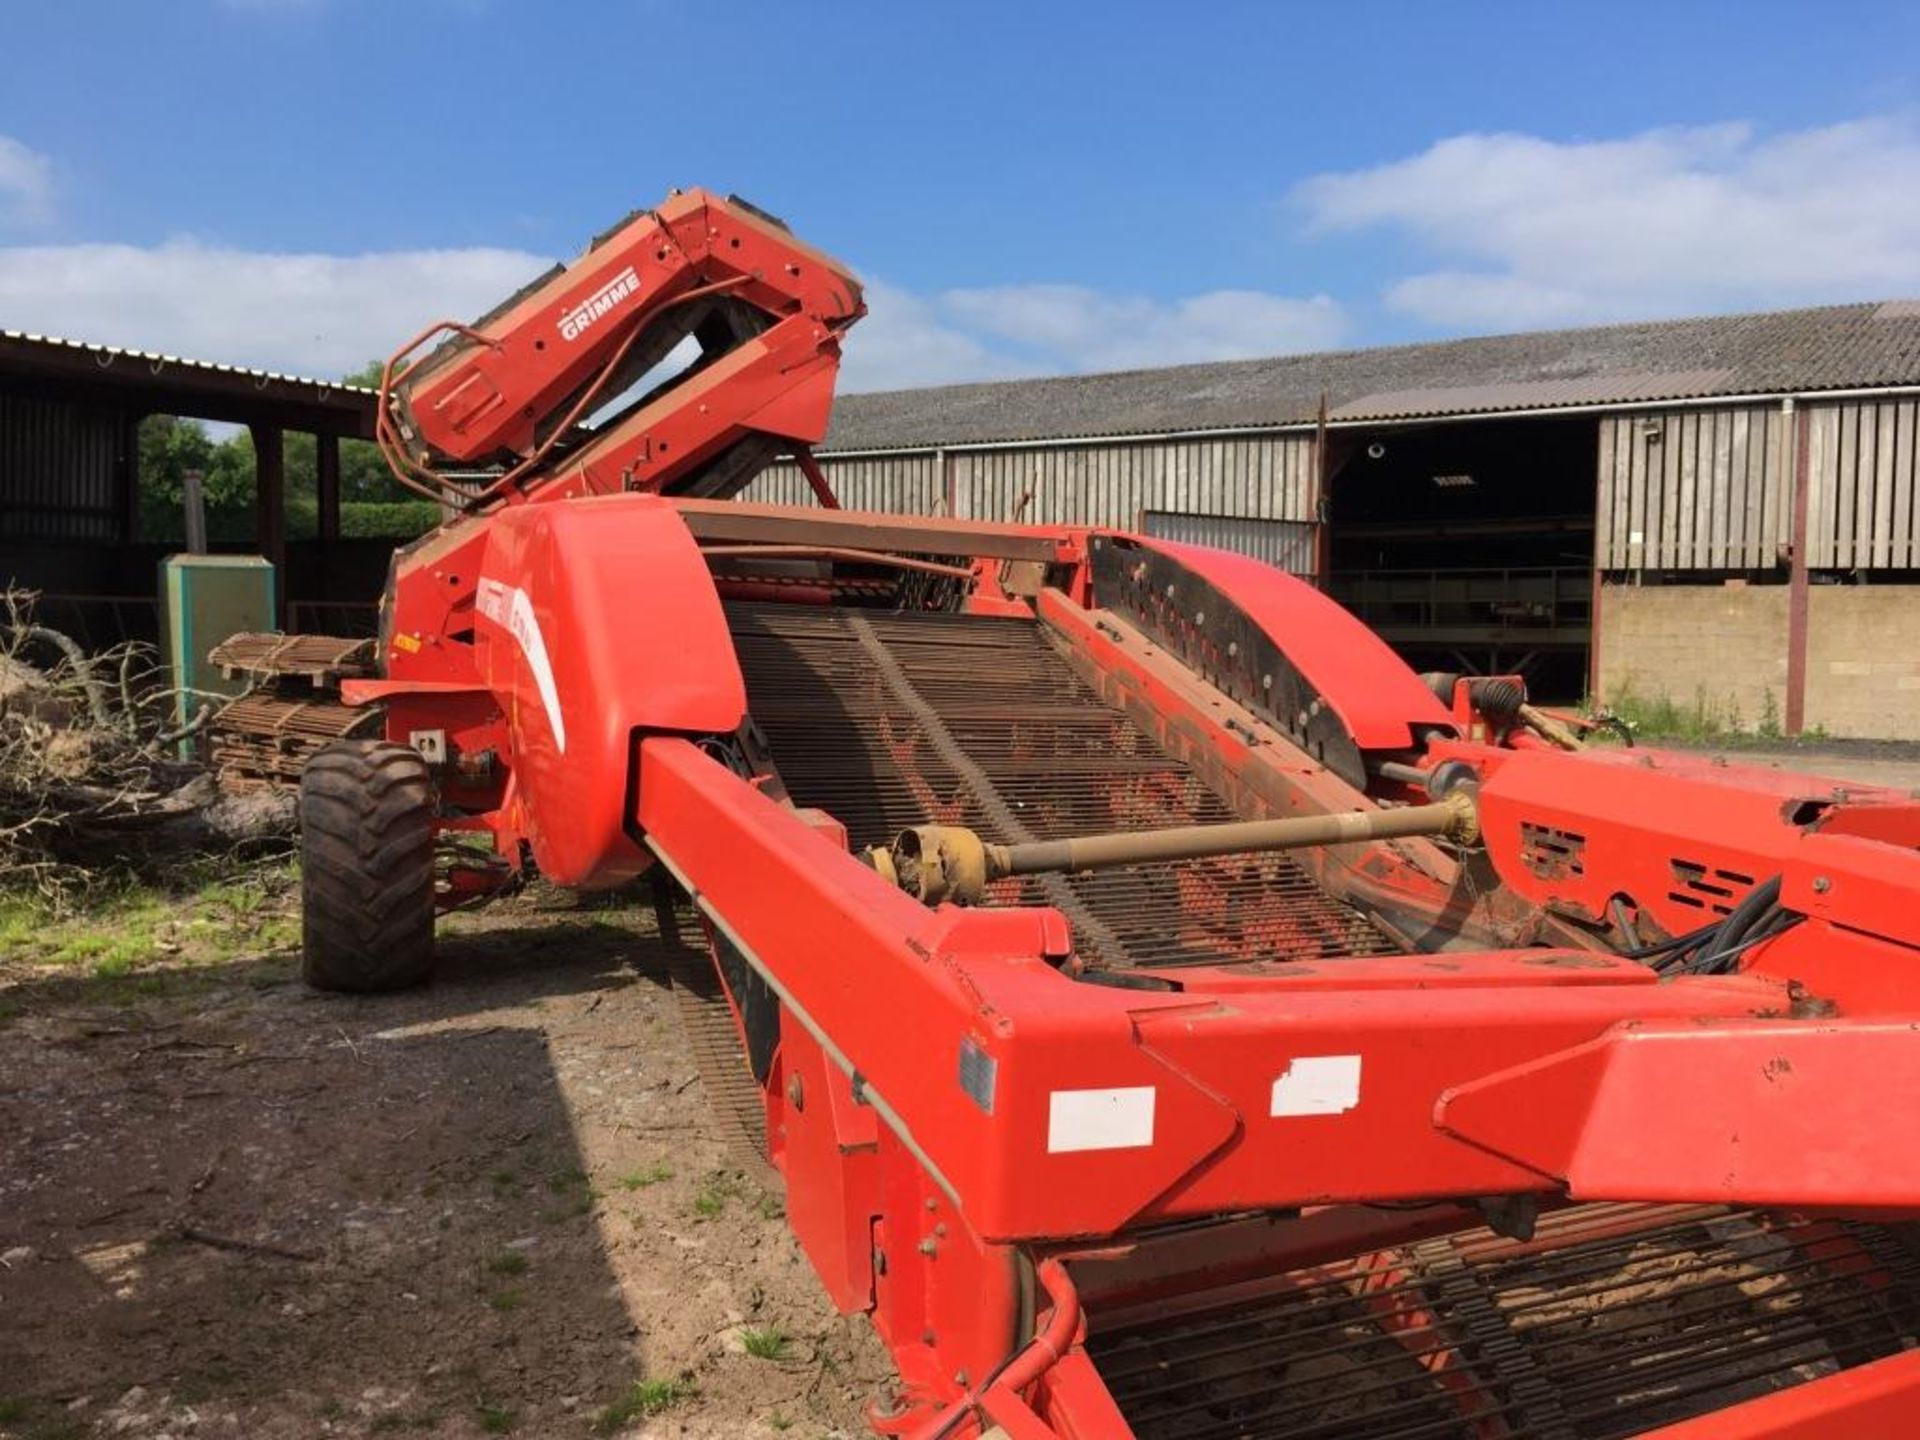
(232, 1207)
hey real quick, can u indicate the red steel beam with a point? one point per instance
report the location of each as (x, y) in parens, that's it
(1769, 1113)
(1110, 1105)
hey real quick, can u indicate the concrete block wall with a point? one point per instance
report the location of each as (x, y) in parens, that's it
(1723, 649)
(1863, 660)
(1719, 648)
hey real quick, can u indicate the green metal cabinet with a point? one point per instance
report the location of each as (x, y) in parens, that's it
(205, 599)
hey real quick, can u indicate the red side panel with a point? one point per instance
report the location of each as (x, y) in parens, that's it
(595, 619)
(1375, 694)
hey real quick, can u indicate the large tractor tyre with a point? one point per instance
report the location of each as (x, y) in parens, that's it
(366, 878)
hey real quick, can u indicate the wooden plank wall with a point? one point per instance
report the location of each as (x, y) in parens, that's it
(1693, 490)
(1712, 489)
(60, 469)
(1862, 509)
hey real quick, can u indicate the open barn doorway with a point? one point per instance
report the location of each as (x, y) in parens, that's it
(1469, 545)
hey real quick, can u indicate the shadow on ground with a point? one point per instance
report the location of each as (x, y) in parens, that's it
(229, 1206)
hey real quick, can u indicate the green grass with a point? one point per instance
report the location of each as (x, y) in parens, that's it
(1661, 717)
(508, 1262)
(507, 1300)
(771, 1343)
(1703, 720)
(208, 913)
(721, 1187)
(12, 1411)
(21, 920)
(641, 1179)
(646, 1397)
(495, 1419)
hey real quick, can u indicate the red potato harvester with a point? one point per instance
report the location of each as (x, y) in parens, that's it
(1169, 1016)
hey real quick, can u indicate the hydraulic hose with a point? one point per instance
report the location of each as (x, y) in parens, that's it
(1025, 1365)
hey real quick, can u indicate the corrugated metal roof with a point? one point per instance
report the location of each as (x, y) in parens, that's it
(1535, 394)
(1836, 347)
(112, 354)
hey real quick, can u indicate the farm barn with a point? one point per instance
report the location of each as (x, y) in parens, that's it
(1718, 512)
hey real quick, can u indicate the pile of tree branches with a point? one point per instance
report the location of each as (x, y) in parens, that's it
(97, 774)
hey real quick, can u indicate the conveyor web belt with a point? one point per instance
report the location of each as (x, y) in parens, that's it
(1613, 1321)
(889, 720)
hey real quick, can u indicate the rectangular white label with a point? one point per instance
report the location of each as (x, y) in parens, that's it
(1100, 1119)
(1318, 1085)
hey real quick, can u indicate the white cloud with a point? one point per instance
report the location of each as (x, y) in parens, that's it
(905, 340)
(312, 314)
(328, 314)
(1526, 231)
(26, 185)
(1011, 330)
(1086, 330)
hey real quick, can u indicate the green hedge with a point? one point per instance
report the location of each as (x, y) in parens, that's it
(387, 519)
(163, 523)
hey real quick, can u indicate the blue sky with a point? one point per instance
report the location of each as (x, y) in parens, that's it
(1028, 188)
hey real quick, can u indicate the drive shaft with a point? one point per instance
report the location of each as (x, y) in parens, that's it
(950, 862)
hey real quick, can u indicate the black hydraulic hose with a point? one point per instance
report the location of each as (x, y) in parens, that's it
(1751, 911)
(1756, 917)
(1672, 943)
(1720, 961)
(1713, 949)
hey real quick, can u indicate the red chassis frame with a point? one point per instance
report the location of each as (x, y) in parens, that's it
(967, 1130)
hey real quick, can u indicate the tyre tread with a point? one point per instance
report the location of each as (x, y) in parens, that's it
(366, 839)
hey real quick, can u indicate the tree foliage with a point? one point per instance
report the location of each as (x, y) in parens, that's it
(372, 504)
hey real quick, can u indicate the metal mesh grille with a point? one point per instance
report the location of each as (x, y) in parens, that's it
(1049, 758)
(1613, 1321)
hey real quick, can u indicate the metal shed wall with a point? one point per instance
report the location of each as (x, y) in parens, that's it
(1254, 477)
(1288, 545)
(1862, 508)
(905, 484)
(60, 469)
(1260, 486)
(1692, 490)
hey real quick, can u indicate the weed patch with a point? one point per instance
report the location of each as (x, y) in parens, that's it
(771, 1343)
(646, 1397)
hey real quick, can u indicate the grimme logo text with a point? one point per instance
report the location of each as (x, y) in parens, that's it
(575, 322)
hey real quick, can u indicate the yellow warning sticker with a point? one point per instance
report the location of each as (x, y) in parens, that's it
(408, 643)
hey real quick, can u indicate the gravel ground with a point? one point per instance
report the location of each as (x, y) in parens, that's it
(1895, 763)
